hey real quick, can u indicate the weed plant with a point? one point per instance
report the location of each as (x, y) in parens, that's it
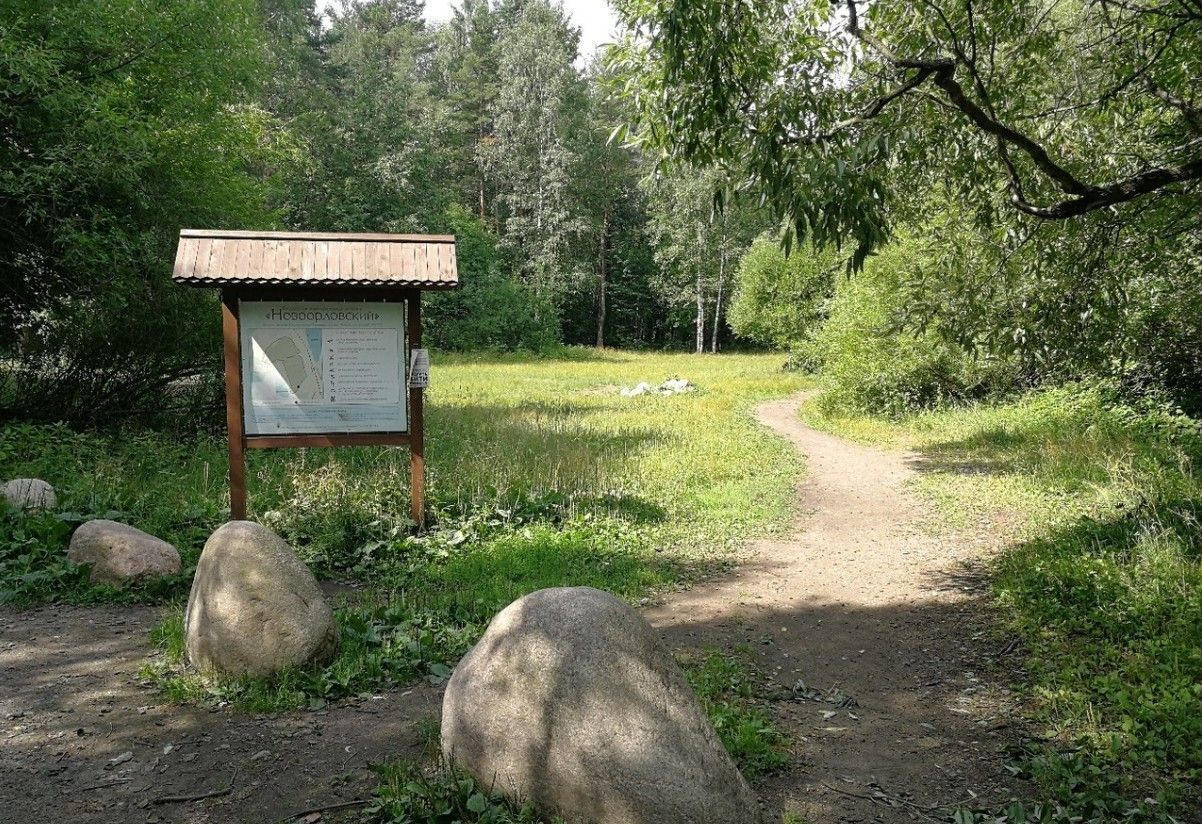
(726, 686)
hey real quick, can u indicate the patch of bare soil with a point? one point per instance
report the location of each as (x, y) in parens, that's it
(83, 740)
(875, 632)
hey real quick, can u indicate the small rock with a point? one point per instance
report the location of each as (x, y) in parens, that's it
(260, 755)
(120, 554)
(570, 702)
(673, 386)
(641, 388)
(120, 759)
(255, 608)
(30, 493)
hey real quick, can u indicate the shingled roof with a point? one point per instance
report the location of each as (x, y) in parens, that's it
(227, 258)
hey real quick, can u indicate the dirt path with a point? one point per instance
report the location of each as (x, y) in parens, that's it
(83, 740)
(860, 601)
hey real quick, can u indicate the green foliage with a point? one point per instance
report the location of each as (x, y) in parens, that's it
(122, 122)
(871, 362)
(1009, 137)
(780, 300)
(1017, 110)
(1102, 582)
(34, 568)
(531, 156)
(407, 795)
(33, 560)
(697, 244)
(726, 688)
(380, 647)
(367, 124)
(154, 482)
(492, 311)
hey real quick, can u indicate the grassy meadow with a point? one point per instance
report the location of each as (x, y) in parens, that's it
(1097, 502)
(540, 474)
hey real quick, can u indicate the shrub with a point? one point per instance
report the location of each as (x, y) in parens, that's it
(781, 301)
(491, 310)
(872, 363)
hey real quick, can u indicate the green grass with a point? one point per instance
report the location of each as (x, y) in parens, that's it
(726, 687)
(381, 647)
(537, 468)
(408, 794)
(541, 474)
(1101, 577)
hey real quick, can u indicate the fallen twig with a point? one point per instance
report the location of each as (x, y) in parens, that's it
(888, 800)
(342, 805)
(112, 783)
(179, 799)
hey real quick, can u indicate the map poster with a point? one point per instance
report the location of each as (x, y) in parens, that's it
(323, 367)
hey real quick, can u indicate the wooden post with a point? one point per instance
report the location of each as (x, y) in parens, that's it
(417, 438)
(233, 403)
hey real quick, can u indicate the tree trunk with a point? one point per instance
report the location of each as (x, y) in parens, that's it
(700, 297)
(718, 301)
(721, 283)
(601, 280)
(483, 213)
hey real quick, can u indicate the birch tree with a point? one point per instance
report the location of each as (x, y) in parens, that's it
(530, 159)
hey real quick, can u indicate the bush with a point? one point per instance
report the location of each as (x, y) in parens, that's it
(99, 169)
(491, 310)
(871, 363)
(781, 301)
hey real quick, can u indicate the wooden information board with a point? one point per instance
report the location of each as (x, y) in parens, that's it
(322, 337)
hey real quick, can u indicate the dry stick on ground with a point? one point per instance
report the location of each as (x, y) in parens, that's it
(890, 800)
(885, 799)
(342, 805)
(178, 799)
(112, 783)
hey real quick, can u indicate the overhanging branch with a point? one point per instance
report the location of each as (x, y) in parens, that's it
(1086, 197)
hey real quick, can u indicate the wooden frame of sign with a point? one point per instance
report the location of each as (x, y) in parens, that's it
(314, 269)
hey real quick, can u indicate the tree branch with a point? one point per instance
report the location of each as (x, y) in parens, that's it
(1193, 114)
(872, 110)
(1086, 197)
(1118, 192)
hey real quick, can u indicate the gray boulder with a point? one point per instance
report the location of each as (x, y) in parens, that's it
(120, 554)
(570, 702)
(255, 608)
(30, 493)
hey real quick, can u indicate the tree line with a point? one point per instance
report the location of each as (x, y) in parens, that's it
(122, 122)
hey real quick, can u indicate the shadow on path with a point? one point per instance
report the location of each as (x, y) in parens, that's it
(862, 601)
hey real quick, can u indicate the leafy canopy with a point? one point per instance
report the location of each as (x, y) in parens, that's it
(844, 116)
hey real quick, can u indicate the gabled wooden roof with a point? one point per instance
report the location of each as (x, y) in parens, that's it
(226, 258)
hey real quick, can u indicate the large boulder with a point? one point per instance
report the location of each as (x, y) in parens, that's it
(30, 493)
(570, 702)
(120, 554)
(255, 608)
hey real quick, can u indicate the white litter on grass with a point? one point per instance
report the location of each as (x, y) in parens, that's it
(672, 386)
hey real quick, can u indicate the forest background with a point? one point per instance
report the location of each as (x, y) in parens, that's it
(125, 121)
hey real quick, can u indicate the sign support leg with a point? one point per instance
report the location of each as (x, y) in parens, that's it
(417, 442)
(233, 404)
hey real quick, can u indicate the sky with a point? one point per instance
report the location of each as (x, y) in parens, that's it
(594, 17)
